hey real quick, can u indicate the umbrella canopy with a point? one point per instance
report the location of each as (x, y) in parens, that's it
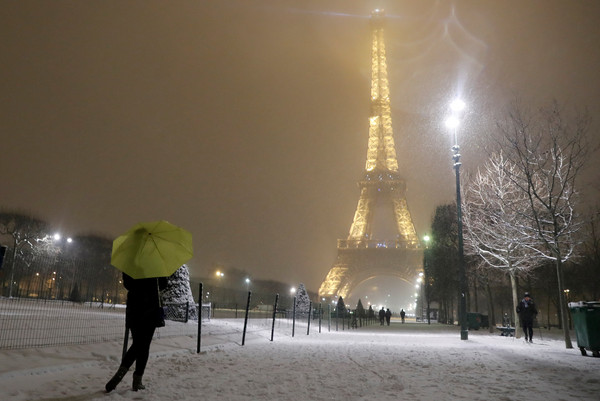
(154, 249)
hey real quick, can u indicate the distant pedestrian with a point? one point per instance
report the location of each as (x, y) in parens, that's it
(388, 316)
(527, 313)
(141, 317)
(402, 315)
(381, 316)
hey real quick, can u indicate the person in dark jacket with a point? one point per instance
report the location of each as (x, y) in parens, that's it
(141, 317)
(527, 313)
(402, 315)
(381, 316)
(388, 316)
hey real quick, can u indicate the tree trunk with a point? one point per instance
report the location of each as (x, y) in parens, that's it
(515, 298)
(548, 312)
(475, 295)
(562, 304)
(491, 315)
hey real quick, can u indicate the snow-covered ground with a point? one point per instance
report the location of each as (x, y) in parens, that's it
(401, 362)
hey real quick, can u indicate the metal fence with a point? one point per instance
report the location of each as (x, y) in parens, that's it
(52, 300)
(28, 323)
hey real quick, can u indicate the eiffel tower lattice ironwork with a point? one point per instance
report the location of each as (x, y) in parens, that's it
(362, 256)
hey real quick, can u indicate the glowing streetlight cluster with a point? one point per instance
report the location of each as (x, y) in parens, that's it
(58, 237)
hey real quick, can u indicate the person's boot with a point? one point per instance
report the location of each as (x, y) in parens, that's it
(137, 383)
(116, 379)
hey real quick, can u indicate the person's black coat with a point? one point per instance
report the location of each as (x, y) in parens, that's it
(143, 301)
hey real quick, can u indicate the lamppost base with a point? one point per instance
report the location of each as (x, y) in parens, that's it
(464, 334)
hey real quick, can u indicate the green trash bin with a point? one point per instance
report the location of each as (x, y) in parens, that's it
(474, 320)
(586, 319)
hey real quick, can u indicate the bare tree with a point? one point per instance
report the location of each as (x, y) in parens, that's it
(494, 208)
(25, 232)
(548, 152)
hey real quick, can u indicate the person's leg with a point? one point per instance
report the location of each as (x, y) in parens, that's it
(144, 339)
(524, 326)
(131, 354)
(530, 327)
(126, 363)
(143, 342)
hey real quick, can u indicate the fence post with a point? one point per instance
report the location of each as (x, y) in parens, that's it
(309, 316)
(274, 315)
(187, 311)
(246, 318)
(320, 316)
(328, 317)
(199, 318)
(294, 317)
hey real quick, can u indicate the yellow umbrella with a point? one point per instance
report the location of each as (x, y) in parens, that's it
(154, 249)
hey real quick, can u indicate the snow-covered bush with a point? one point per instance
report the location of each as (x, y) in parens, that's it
(178, 295)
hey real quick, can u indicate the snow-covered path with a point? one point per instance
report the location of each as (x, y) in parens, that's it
(410, 361)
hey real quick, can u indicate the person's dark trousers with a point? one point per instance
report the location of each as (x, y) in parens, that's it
(140, 349)
(528, 329)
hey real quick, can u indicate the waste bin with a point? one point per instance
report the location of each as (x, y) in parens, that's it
(474, 320)
(586, 318)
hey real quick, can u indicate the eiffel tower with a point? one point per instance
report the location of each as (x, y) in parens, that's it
(362, 256)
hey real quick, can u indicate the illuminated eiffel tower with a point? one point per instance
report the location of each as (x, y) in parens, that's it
(362, 256)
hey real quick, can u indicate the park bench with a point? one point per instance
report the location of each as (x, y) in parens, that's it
(506, 331)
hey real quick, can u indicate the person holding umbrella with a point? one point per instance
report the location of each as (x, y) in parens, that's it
(147, 254)
(142, 316)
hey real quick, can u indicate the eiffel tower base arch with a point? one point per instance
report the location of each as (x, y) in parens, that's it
(356, 265)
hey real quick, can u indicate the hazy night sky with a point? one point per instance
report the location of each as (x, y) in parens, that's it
(246, 121)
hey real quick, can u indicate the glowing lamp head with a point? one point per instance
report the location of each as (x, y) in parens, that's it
(452, 122)
(457, 105)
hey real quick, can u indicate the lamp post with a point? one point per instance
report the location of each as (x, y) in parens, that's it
(452, 123)
(566, 291)
(220, 276)
(426, 238)
(420, 281)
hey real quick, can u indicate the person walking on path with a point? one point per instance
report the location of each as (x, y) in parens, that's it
(388, 316)
(527, 312)
(402, 315)
(142, 316)
(381, 316)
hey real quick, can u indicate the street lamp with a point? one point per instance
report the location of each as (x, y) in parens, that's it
(452, 123)
(425, 276)
(419, 286)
